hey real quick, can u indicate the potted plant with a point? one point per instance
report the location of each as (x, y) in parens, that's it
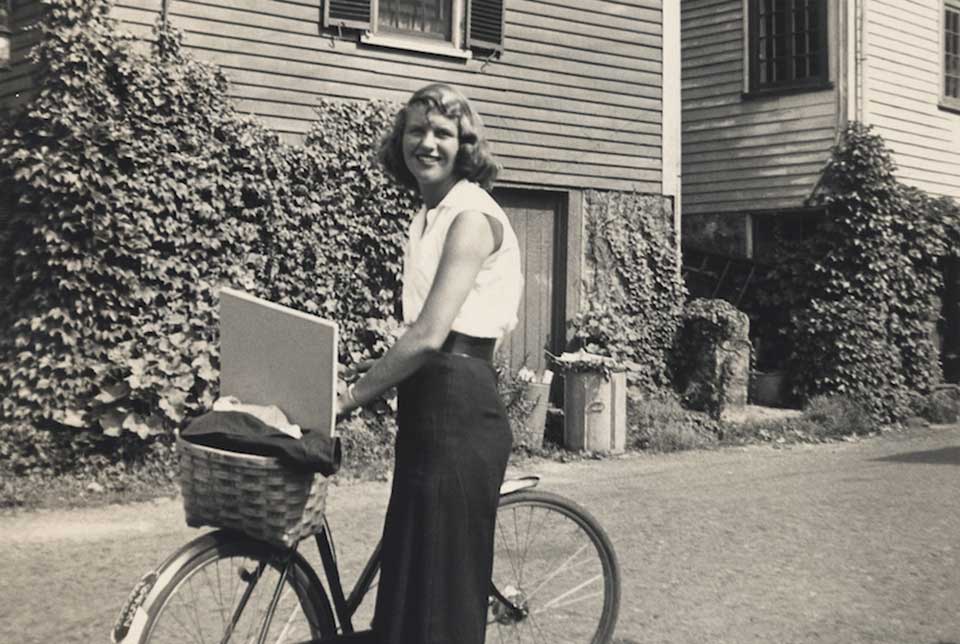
(594, 383)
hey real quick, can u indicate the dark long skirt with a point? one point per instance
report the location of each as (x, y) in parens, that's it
(451, 453)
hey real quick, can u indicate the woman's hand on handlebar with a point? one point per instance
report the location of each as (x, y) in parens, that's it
(346, 402)
(358, 369)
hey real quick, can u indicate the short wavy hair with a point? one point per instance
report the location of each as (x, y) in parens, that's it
(474, 162)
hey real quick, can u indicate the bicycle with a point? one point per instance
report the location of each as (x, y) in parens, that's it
(555, 579)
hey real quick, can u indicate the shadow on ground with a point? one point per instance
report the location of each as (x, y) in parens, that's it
(942, 456)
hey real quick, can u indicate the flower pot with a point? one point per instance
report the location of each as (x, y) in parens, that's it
(595, 411)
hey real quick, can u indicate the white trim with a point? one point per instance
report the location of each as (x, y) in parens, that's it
(457, 25)
(863, 77)
(746, 45)
(452, 48)
(415, 44)
(671, 103)
(848, 57)
(944, 101)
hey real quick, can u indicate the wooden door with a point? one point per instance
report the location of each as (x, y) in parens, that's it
(537, 219)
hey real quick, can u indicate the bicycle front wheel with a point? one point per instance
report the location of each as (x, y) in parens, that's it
(555, 573)
(224, 591)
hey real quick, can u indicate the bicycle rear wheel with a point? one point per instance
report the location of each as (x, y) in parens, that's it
(555, 573)
(223, 592)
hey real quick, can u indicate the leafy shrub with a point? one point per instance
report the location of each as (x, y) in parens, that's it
(784, 430)
(941, 405)
(140, 192)
(367, 442)
(862, 290)
(636, 293)
(656, 421)
(601, 330)
(839, 416)
(824, 418)
(514, 392)
(712, 334)
(601, 343)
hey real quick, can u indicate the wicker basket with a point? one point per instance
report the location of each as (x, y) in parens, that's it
(253, 494)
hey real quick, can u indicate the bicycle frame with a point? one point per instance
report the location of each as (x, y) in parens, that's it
(345, 607)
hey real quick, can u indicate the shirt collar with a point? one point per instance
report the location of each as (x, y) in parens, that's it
(431, 213)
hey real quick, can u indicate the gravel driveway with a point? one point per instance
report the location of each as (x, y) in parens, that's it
(847, 543)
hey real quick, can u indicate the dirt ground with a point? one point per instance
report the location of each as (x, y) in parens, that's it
(841, 543)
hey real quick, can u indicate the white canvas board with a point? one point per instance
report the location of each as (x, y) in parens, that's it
(275, 355)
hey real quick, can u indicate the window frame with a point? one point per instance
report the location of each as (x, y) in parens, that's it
(443, 46)
(362, 17)
(949, 103)
(753, 86)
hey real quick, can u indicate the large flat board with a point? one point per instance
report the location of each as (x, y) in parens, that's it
(275, 355)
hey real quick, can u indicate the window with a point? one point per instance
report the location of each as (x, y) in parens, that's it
(787, 44)
(951, 53)
(428, 18)
(427, 25)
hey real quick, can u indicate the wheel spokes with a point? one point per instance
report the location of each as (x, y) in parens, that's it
(548, 565)
(214, 605)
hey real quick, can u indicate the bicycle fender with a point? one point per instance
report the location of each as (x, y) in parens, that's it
(133, 616)
(510, 486)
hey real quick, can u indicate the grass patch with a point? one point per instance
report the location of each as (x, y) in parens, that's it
(824, 419)
(657, 422)
(118, 482)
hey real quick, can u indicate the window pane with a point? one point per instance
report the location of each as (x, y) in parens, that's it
(422, 17)
(951, 58)
(790, 41)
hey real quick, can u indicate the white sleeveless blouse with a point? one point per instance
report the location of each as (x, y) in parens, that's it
(490, 310)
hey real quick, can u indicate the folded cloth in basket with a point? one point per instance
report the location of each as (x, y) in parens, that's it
(241, 432)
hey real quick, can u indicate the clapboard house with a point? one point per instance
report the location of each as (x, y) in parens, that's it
(769, 84)
(575, 95)
(767, 88)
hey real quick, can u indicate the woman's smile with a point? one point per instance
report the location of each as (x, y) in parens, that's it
(429, 159)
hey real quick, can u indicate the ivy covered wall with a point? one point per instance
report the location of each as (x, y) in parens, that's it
(632, 289)
(140, 192)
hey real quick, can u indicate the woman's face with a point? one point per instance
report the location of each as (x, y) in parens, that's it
(430, 145)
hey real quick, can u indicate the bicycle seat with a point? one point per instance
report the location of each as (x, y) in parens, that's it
(519, 483)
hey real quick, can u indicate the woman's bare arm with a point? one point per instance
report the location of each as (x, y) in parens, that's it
(469, 242)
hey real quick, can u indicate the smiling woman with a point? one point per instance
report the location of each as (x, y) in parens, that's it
(430, 147)
(462, 284)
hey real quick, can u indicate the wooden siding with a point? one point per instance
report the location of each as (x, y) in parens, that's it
(574, 102)
(902, 71)
(746, 154)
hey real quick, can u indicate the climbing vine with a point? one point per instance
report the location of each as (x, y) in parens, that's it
(635, 292)
(140, 191)
(863, 289)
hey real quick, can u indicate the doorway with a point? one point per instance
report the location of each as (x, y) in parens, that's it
(539, 220)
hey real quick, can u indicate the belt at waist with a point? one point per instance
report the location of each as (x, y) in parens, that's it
(468, 345)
